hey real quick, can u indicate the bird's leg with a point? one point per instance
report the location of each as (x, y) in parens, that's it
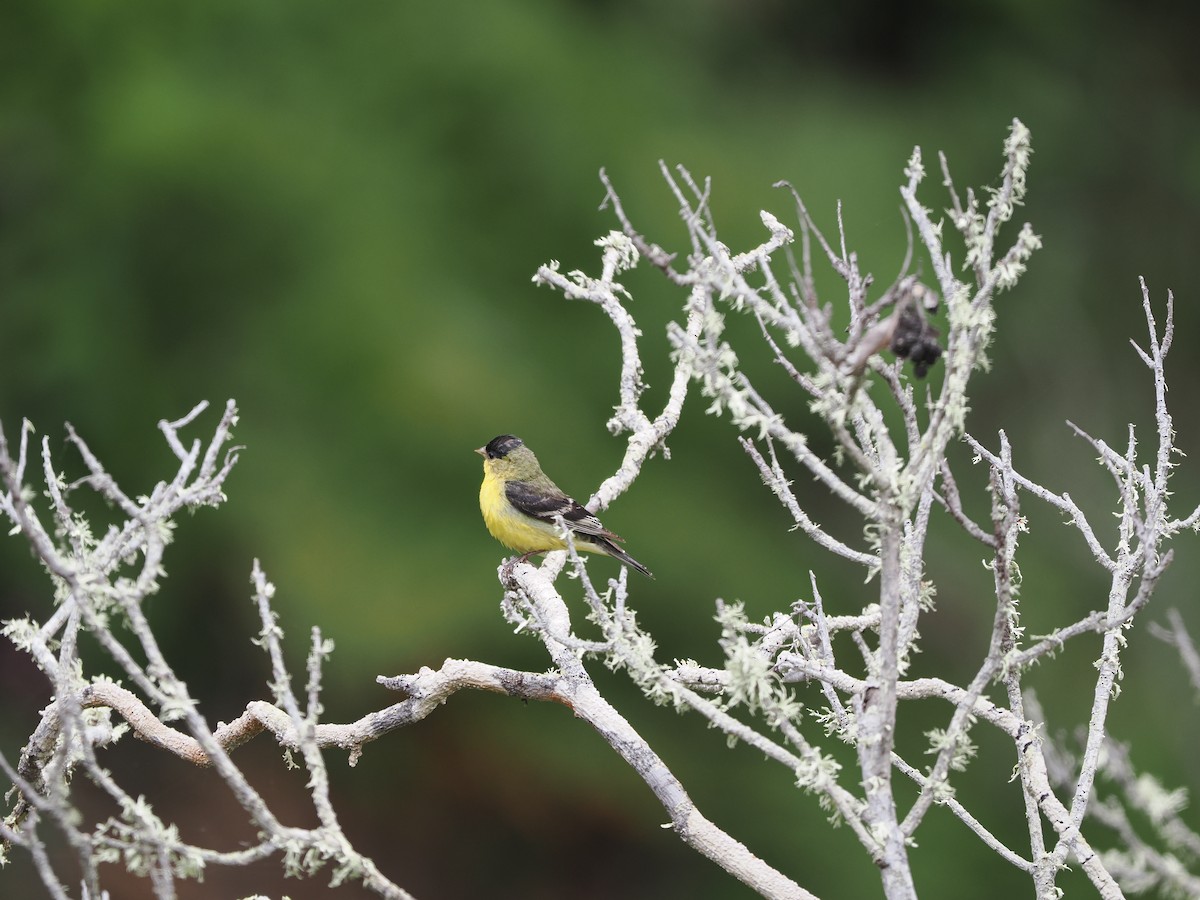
(506, 569)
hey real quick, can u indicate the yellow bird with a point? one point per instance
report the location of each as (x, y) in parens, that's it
(520, 503)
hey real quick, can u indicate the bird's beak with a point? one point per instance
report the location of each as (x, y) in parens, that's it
(481, 451)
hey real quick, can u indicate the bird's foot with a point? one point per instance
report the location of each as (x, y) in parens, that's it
(506, 569)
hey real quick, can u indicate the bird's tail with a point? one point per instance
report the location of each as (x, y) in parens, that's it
(617, 553)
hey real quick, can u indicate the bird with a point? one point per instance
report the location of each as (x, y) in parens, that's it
(520, 503)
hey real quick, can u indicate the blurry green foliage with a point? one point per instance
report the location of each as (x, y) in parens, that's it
(332, 213)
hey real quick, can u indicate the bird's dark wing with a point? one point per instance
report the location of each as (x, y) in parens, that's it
(539, 503)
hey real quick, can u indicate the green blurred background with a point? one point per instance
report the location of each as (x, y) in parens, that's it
(332, 213)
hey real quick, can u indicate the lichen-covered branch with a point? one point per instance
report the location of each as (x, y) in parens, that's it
(100, 581)
(885, 372)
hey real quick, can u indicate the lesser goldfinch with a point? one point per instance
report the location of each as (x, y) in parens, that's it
(520, 504)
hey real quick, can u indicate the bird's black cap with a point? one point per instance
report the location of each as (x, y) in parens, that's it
(500, 447)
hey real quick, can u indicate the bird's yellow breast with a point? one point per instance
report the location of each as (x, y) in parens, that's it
(510, 526)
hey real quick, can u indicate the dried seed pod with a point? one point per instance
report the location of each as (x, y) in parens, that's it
(914, 338)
